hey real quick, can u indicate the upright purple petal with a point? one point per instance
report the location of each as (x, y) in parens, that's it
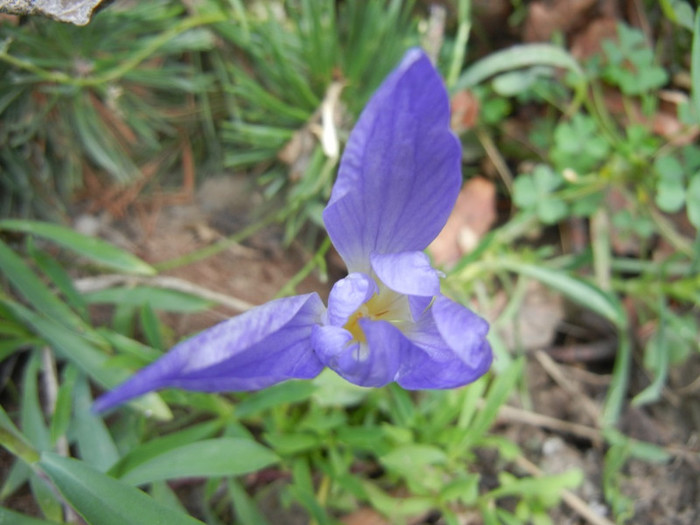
(400, 172)
(259, 348)
(408, 273)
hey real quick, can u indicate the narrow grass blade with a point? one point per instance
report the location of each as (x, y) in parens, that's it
(578, 290)
(207, 458)
(15, 518)
(26, 282)
(96, 250)
(153, 448)
(93, 440)
(514, 58)
(102, 500)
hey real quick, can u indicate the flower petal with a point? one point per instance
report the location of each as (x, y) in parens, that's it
(400, 172)
(408, 273)
(348, 295)
(372, 364)
(448, 348)
(259, 348)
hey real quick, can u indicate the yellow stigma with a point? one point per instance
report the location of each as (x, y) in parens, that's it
(386, 305)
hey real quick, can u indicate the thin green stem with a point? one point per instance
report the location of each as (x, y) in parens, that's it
(668, 231)
(618, 384)
(460, 44)
(317, 260)
(596, 109)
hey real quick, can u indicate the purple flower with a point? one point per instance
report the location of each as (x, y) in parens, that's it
(386, 321)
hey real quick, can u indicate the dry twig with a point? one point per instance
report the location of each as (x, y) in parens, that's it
(92, 284)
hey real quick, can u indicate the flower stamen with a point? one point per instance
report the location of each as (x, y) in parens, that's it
(386, 305)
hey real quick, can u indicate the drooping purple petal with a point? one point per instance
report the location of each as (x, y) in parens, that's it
(259, 348)
(447, 348)
(372, 363)
(400, 172)
(408, 273)
(347, 295)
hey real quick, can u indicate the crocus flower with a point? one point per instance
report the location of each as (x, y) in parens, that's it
(387, 320)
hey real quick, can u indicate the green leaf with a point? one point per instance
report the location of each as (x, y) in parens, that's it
(464, 489)
(33, 289)
(525, 191)
(364, 438)
(15, 477)
(207, 458)
(100, 143)
(151, 327)
(513, 83)
(575, 289)
(153, 448)
(695, 66)
(15, 442)
(693, 200)
(656, 358)
(396, 507)
(678, 12)
(60, 278)
(243, 505)
(514, 58)
(670, 189)
(497, 394)
(551, 211)
(93, 440)
(102, 500)
(633, 447)
(333, 390)
(287, 392)
(578, 145)
(46, 498)
(31, 415)
(546, 488)
(33, 426)
(85, 355)
(157, 298)
(534, 192)
(631, 49)
(291, 444)
(97, 250)
(64, 404)
(411, 460)
(9, 346)
(15, 518)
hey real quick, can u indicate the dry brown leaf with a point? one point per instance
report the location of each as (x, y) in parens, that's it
(623, 242)
(465, 111)
(589, 42)
(544, 18)
(364, 516)
(474, 213)
(537, 319)
(664, 122)
(321, 128)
